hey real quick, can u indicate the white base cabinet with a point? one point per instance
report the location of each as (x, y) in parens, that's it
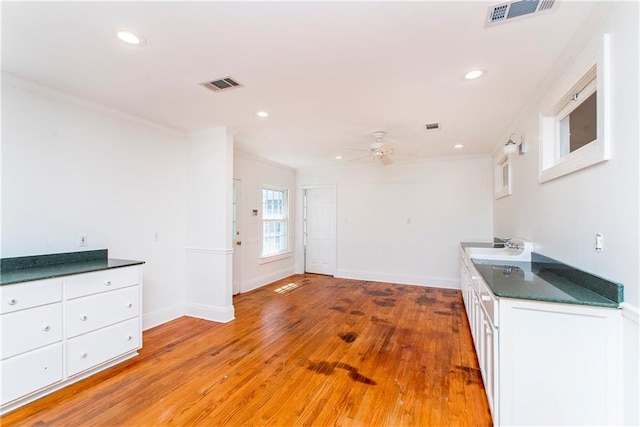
(58, 331)
(544, 363)
(559, 364)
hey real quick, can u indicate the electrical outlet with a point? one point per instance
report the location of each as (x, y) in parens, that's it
(599, 242)
(83, 240)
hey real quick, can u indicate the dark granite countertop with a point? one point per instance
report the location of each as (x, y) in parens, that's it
(38, 267)
(545, 279)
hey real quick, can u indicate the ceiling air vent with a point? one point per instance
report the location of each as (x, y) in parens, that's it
(432, 126)
(503, 12)
(224, 83)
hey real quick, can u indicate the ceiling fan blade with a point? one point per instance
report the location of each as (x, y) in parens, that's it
(357, 148)
(355, 159)
(407, 154)
(391, 140)
(386, 160)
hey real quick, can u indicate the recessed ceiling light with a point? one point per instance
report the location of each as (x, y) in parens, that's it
(130, 38)
(338, 157)
(262, 114)
(474, 74)
(458, 146)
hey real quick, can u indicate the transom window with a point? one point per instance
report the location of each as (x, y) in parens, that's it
(275, 221)
(574, 119)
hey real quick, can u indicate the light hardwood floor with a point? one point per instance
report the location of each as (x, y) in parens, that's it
(325, 351)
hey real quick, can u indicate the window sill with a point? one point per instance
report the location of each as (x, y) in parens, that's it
(271, 258)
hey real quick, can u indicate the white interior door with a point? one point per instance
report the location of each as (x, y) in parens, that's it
(237, 241)
(320, 230)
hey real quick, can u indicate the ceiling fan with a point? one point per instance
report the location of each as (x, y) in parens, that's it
(380, 151)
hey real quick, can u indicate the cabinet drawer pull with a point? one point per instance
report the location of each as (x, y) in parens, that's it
(46, 328)
(13, 301)
(83, 318)
(129, 337)
(108, 283)
(129, 305)
(83, 355)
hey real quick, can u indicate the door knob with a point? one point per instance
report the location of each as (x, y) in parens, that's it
(239, 243)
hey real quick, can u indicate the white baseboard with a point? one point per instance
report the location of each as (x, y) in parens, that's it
(209, 312)
(259, 282)
(163, 315)
(435, 282)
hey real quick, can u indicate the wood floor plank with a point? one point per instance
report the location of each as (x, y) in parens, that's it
(324, 351)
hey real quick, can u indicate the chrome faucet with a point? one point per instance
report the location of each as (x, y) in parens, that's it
(509, 243)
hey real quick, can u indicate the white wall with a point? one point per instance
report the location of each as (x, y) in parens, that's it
(209, 251)
(70, 167)
(562, 216)
(404, 222)
(254, 173)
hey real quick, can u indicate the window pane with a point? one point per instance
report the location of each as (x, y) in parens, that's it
(579, 127)
(582, 128)
(275, 225)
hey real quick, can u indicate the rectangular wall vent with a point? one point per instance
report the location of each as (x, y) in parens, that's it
(224, 83)
(432, 126)
(503, 12)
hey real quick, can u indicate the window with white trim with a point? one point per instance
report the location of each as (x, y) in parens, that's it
(574, 119)
(275, 221)
(502, 177)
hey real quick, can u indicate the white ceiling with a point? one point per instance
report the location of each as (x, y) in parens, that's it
(329, 73)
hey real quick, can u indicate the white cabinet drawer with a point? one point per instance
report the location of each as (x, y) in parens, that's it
(87, 351)
(30, 294)
(489, 302)
(29, 329)
(31, 371)
(97, 311)
(102, 281)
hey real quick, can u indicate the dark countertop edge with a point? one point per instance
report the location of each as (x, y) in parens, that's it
(51, 260)
(606, 304)
(603, 304)
(81, 268)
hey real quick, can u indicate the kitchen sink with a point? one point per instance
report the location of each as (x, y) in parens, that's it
(521, 251)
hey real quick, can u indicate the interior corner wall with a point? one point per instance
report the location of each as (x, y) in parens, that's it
(71, 168)
(561, 217)
(403, 223)
(253, 174)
